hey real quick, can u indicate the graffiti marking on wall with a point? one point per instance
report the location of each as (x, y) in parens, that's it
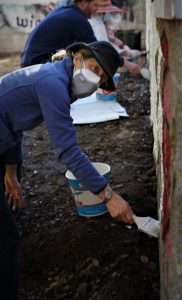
(23, 18)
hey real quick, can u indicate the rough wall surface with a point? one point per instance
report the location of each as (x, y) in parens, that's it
(164, 40)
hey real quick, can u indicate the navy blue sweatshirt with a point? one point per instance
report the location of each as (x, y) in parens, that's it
(59, 29)
(40, 93)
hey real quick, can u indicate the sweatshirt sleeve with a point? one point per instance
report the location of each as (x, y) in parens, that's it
(14, 154)
(11, 144)
(55, 105)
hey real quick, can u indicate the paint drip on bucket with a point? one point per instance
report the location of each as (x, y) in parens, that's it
(88, 204)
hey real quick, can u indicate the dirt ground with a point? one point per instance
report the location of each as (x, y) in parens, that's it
(66, 256)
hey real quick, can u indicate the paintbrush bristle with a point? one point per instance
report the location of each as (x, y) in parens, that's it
(148, 225)
(151, 226)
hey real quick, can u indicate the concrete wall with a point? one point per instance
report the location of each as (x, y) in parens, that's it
(164, 41)
(16, 22)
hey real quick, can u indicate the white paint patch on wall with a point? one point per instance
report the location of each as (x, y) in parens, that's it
(155, 63)
(23, 18)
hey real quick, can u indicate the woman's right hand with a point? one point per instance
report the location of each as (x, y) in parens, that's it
(118, 207)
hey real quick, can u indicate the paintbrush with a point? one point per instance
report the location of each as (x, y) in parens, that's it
(148, 225)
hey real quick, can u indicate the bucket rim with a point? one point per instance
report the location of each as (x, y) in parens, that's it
(69, 175)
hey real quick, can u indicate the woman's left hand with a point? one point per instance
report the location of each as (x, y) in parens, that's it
(13, 188)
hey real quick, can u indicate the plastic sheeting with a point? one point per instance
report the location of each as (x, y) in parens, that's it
(90, 110)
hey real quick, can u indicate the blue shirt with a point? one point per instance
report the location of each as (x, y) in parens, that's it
(59, 29)
(40, 93)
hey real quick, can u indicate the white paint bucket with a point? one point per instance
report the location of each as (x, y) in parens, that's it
(108, 95)
(88, 204)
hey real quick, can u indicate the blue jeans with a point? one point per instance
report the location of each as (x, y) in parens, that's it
(9, 251)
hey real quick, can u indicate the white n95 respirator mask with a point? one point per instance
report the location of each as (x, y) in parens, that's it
(84, 82)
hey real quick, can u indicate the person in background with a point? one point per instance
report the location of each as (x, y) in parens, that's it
(60, 28)
(44, 92)
(111, 32)
(111, 17)
(106, 34)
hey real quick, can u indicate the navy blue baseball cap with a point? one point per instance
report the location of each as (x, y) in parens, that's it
(107, 57)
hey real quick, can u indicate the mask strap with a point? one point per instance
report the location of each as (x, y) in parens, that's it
(82, 65)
